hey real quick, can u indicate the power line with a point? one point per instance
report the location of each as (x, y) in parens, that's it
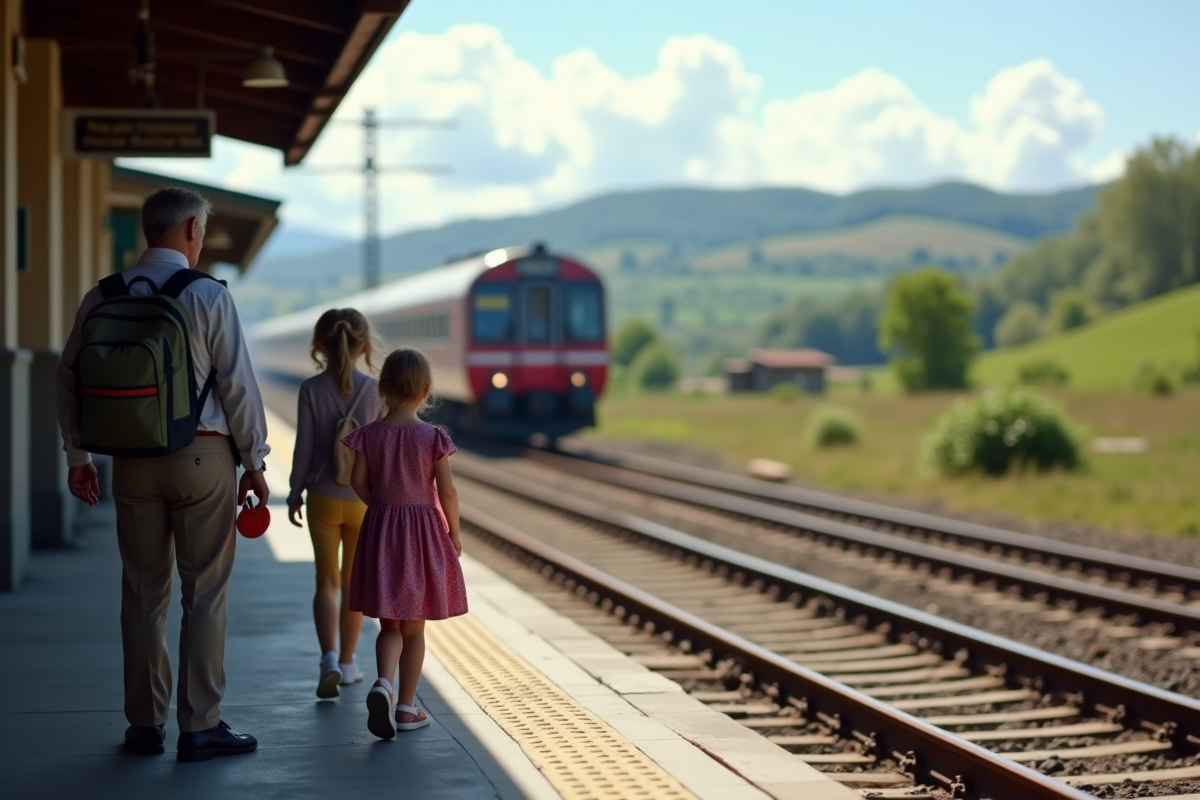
(371, 170)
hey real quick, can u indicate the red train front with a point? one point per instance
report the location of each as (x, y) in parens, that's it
(516, 336)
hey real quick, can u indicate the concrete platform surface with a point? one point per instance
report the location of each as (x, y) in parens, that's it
(61, 723)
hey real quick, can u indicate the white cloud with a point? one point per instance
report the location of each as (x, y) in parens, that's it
(528, 138)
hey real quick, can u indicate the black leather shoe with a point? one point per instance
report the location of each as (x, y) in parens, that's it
(145, 741)
(218, 741)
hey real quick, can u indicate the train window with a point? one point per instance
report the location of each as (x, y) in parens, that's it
(585, 316)
(537, 314)
(429, 329)
(492, 317)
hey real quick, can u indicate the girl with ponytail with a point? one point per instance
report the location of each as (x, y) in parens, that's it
(333, 403)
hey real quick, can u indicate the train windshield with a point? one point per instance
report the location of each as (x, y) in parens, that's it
(585, 317)
(493, 314)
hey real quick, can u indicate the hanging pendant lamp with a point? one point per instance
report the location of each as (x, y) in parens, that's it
(265, 72)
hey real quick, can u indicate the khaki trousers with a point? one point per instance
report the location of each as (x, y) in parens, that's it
(176, 510)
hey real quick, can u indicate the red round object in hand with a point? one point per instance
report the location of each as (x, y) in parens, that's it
(253, 521)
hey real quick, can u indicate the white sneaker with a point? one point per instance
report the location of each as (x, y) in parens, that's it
(380, 711)
(351, 673)
(410, 718)
(331, 676)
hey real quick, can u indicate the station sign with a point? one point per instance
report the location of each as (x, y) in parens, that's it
(130, 132)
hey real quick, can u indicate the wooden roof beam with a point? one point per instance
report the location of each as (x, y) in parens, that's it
(373, 24)
(320, 15)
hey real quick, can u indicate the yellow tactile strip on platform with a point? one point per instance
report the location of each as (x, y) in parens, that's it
(581, 756)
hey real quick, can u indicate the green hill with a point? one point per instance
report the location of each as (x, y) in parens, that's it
(892, 241)
(1107, 353)
(684, 222)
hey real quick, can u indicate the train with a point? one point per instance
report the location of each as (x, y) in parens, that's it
(517, 338)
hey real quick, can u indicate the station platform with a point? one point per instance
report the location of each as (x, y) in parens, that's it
(524, 702)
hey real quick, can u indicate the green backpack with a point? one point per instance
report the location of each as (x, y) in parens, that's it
(135, 387)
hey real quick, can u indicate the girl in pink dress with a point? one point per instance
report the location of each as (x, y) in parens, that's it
(406, 566)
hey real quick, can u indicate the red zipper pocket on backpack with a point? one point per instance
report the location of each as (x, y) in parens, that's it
(137, 391)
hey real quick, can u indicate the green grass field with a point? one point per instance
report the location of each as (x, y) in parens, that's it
(1151, 491)
(1106, 354)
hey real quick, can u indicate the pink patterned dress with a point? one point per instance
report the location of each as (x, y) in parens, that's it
(405, 566)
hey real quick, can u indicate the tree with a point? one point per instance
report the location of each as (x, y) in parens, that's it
(656, 368)
(1020, 324)
(630, 339)
(1150, 221)
(926, 324)
(1070, 309)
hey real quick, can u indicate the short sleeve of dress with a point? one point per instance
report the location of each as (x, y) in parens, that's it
(356, 440)
(442, 445)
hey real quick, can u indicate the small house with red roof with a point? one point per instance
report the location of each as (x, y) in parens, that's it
(763, 369)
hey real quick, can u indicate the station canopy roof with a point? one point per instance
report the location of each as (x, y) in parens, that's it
(203, 50)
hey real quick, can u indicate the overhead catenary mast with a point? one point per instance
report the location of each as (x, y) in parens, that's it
(371, 170)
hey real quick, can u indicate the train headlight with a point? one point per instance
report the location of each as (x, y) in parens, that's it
(499, 380)
(578, 380)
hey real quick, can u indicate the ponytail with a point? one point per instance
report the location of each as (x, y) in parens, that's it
(345, 360)
(340, 336)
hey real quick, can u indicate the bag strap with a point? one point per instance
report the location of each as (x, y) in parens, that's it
(113, 286)
(354, 406)
(184, 278)
(204, 393)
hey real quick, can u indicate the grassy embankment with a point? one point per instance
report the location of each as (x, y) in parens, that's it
(1158, 490)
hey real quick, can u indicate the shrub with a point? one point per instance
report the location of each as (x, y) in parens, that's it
(1154, 378)
(829, 426)
(1070, 309)
(631, 339)
(786, 392)
(1044, 372)
(1021, 323)
(656, 368)
(1002, 430)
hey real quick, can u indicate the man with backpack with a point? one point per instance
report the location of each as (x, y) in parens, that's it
(156, 373)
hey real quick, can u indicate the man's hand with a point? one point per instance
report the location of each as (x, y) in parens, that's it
(295, 514)
(253, 481)
(84, 483)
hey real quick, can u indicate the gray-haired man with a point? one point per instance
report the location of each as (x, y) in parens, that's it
(178, 509)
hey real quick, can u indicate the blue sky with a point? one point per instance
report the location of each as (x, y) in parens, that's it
(561, 99)
(1139, 60)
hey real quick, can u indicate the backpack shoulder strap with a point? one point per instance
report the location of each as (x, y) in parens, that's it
(184, 278)
(113, 286)
(354, 406)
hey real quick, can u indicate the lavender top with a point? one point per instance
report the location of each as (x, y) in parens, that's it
(321, 407)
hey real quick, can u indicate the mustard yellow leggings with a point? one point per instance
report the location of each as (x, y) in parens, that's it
(333, 525)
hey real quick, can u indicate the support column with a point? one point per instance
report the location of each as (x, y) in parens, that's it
(40, 328)
(103, 247)
(14, 363)
(79, 236)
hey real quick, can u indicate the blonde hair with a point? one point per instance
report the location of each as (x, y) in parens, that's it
(340, 336)
(405, 379)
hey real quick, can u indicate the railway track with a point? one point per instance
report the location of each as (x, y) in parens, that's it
(836, 675)
(1140, 591)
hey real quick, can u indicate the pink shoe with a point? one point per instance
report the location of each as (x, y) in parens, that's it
(379, 712)
(409, 718)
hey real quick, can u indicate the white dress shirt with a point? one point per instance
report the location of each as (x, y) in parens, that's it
(234, 407)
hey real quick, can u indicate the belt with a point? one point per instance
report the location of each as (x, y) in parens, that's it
(212, 433)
